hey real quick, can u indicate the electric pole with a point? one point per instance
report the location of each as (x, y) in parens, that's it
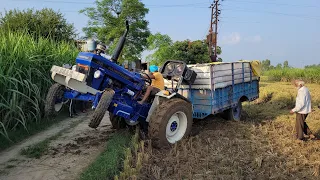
(212, 36)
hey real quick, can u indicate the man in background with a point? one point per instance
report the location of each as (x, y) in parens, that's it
(302, 109)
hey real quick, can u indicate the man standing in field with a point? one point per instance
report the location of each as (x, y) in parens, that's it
(302, 109)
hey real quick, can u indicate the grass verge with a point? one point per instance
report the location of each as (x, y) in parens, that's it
(10, 166)
(135, 156)
(39, 149)
(107, 165)
(2, 172)
(33, 128)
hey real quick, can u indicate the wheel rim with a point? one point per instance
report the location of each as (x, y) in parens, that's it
(58, 107)
(236, 111)
(59, 101)
(176, 127)
(131, 123)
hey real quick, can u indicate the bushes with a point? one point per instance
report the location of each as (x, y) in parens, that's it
(45, 23)
(25, 77)
(311, 75)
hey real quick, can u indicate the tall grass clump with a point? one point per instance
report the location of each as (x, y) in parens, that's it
(311, 75)
(25, 65)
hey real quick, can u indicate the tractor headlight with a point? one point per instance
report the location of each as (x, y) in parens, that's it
(97, 74)
(74, 67)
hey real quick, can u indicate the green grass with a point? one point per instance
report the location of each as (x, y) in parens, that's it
(107, 165)
(10, 166)
(25, 78)
(310, 75)
(13, 160)
(39, 149)
(20, 133)
(3, 172)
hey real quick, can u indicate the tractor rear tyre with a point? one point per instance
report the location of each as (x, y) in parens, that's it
(234, 113)
(117, 122)
(54, 100)
(101, 109)
(170, 122)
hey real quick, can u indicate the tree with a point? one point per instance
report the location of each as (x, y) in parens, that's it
(161, 45)
(266, 65)
(45, 23)
(107, 23)
(312, 66)
(279, 66)
(189, 51)
(285, 64)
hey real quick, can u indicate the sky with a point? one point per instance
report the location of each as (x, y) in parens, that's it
(278, 30)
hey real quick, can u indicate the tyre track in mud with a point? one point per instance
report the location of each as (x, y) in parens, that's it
(68, 155)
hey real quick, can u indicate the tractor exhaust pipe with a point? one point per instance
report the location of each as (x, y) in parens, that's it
(120, 45)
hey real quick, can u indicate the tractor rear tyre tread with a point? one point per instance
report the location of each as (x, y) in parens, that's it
(101, 109)
(50, 99)
(160, 117)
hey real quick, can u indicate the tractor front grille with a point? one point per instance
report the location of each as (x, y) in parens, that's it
(87, 71)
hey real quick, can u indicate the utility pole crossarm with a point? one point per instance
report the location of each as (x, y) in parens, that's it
(212, 37)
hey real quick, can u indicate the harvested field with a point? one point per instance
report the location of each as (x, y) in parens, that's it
(260, 147)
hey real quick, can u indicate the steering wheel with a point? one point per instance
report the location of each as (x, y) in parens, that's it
(149, 81)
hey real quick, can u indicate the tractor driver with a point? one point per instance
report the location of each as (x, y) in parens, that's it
(157, 83)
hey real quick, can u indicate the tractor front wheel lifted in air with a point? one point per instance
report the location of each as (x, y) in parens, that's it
(101, 109)
(54, 100)
(170, 122)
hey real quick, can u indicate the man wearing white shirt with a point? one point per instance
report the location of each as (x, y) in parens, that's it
(302, 109)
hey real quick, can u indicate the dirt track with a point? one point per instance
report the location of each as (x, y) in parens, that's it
(69, 154)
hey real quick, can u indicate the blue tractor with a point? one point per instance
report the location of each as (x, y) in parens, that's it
(166, 116)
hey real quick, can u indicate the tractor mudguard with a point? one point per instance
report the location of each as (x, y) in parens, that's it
(156, 101)
(173, 95)
(154, 105)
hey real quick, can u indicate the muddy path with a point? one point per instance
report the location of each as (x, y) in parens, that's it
(69, 154)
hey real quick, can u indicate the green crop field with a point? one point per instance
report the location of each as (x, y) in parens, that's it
(311, 74)
(25, 78)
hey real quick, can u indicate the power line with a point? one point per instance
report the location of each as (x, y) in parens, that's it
(51, 1)
(277, 13)
(205, 33)
(73, 11)
(278, 4)
(193, 5)
(249, 22)
(151, 5)
(177, 5)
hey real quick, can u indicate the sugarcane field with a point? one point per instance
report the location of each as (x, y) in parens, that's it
(163, 90)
